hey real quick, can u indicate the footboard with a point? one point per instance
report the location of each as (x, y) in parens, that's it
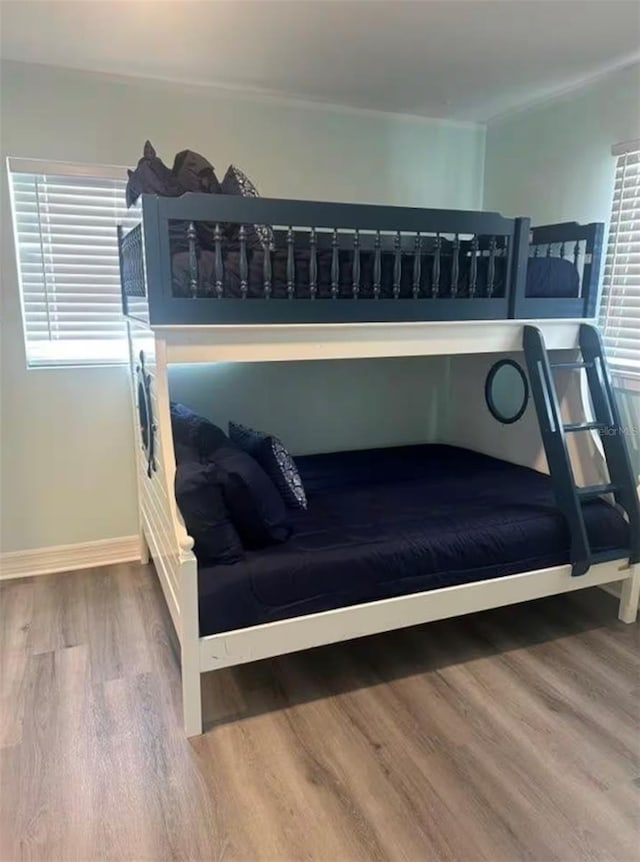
(220, 259)
(162, 530)
(579, 246)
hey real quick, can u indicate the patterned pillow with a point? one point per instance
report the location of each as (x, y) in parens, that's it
(271, 454)
(236, 182)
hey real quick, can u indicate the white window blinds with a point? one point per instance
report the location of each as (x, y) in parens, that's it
(620, 308)
(67, 251)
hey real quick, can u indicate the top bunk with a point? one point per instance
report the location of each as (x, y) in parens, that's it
(203, 260)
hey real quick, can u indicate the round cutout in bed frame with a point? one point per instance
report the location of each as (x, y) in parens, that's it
(506, 391)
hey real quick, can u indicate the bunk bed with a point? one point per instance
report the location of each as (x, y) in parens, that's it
(209, 278)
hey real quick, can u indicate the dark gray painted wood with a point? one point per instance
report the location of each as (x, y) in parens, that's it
(313, 264)
(377, 228)
(291, 267)
(335, 266)
(218, 261)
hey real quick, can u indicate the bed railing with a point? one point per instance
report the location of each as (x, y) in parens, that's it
(199, 259)
(324, 262)
(579, 245)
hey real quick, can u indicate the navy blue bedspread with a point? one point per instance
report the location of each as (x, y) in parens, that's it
(388, 522)
(552, 277)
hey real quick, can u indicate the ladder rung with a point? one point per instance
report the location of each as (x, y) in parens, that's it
(571, 364)
(591, 491)
(585, 426)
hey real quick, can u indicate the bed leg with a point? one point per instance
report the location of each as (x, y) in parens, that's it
(190, 643)
(143, 546)
(628, 611)
(191, 701)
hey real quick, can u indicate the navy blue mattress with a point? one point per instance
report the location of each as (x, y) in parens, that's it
(546, 276)
(388, 522)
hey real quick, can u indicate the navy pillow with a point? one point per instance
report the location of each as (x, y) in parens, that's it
(184, 453)
(194, 431)
(195, 173)
(257, 509)
(270, 453)
(152, 177)
(199, 493)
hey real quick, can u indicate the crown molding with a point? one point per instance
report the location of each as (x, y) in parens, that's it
(549, 97)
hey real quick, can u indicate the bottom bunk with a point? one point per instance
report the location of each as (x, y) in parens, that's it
(390, 522)
(385, 538)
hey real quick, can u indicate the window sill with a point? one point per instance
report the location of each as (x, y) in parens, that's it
(627, 379)
(75, 365)
(77, 354)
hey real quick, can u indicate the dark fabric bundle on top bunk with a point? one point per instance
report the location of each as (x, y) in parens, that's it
(546, 277)
(389, 522)
(464, 273)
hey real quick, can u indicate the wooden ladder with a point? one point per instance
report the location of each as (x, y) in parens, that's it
(569, 496)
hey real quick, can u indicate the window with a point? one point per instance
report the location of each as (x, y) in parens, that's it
(620, 309)
(65, 222)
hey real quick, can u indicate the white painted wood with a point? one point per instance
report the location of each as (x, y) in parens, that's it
(164, 565)
(164, 442)
(521, 442)
(144, 550)
(171, 547)
(183, 573)
(190, 646)
(68, 558)
(285, 636)
(162, 527)
(356, 340)
(630, 597)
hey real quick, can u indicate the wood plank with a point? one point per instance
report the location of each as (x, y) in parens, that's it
(59, 613)
(523, 719)
(277, 342)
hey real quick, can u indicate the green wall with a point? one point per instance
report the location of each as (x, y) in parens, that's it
(68, 470)
(553, 163)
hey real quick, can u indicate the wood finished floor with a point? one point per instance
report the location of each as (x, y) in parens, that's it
(508, 736)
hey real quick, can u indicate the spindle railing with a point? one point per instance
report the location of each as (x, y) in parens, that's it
(356, 265)
(313, 264)
(291, 268)
(419, 265)
(377, 266)
(578, 245)
(219, 262)
(373, 263)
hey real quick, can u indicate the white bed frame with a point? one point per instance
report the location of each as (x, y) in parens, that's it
(165, 540)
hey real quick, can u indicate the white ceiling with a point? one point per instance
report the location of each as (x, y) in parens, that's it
(462, 59)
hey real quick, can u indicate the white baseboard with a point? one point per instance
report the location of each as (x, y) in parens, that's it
(67, 558)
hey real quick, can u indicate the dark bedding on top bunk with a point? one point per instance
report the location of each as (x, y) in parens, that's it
(388, 522)
(546, 276)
